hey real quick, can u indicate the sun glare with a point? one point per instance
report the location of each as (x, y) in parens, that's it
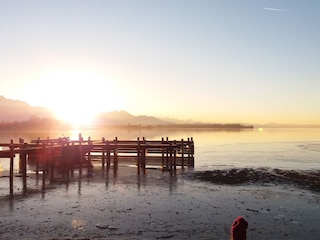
(77, 97)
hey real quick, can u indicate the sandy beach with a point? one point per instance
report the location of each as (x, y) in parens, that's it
(158, 205)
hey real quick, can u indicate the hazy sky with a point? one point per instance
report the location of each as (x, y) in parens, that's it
(252, 61)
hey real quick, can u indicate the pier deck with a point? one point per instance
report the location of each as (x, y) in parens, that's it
(63, 156)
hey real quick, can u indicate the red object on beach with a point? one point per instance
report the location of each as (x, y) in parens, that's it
(239, 229)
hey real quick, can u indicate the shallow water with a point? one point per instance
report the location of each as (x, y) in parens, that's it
(289, 148)
(297, 149)
(141, 206)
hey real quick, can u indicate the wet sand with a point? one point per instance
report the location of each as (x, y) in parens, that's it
(161, 205)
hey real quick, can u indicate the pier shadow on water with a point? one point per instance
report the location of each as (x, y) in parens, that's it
(83, 179)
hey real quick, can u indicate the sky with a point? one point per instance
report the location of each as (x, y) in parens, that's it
(234, 61)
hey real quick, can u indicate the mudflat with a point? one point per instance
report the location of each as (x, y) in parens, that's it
(123, 204)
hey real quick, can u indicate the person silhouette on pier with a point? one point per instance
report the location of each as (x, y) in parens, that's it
(239, 229)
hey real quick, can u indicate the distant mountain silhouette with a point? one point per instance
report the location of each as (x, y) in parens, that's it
(124, 118)
(178, 121)
(19, 114)
(15, 110)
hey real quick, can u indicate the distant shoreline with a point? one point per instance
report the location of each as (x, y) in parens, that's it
(194, 126)
(51, 124)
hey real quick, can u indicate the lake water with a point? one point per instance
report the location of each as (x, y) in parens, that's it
(288, 148)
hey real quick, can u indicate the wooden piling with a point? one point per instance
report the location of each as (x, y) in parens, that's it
(37, 158)
(103, 153)
(138, 155)
(167, 167)
(51, 164)
(162, 153)
(143, 159)
(182, 153)
(24, 166)
(192, 152)
(80, 153)
(174, 156)
(115, 153)
(108, 154)
(43, 165)
(11, 166)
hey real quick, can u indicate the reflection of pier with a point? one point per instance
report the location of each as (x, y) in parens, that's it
(63, 156)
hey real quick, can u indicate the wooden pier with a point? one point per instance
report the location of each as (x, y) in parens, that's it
(63, 156)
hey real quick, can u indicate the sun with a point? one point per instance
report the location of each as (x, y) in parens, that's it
(77, 96)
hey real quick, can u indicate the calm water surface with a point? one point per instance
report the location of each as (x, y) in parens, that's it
(289, 148)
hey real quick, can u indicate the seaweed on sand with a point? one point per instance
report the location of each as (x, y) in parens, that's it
(309, 179)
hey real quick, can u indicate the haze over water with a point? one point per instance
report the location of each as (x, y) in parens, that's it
(285, 148)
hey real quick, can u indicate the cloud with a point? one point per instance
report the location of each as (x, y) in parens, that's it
(274, 9)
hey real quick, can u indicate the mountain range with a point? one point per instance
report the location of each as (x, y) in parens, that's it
(124, 118)
(16, 113)
(16, 110)
(19, 111)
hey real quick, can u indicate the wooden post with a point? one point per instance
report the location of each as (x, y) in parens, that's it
(72, 152)
(103, 152)
(170, 159)
(37, 156)
(115, 153)
(162, 154)
(89, 153)
(192, 152)
(11, 166)
(24, 165)
(67, 153)
(138, 155)
(89, 157)
(144, 154)
(167, 155)
(20, 156)
(188, 149)
(182, 153)
(108, 154)
(80, 153)
(52, 164)
(175, 155)
(44, 152)
(48, 154)
(144, 159)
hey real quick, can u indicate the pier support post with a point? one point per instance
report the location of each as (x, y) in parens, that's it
(80, 154)
(103, 153)
(170, 158)
(162, 154)
(20, 160)
(189, 152)
(11, 166)
(108, 154)
(182, 153)
(192, 152)
(24, 166)
(138, 155)
(143, 159)
(115, 154)
(37, 158)
(167, 167)
(175, 156)
(44, 163)
(90, 143)
(51, 165)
